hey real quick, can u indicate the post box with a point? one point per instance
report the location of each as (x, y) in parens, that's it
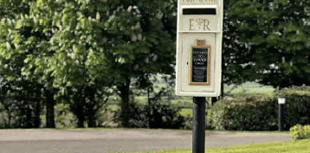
(199, 48)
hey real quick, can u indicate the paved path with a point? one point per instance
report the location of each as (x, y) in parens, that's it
(119, 140)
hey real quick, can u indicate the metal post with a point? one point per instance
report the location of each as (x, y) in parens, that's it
(213, 100)
(199, 109)
(281, 116)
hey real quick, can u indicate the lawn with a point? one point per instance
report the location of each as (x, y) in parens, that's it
(302, 146)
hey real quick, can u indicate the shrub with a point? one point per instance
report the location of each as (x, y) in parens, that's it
(16, 113)
(162, 115)
(244, 113)
(63, 117)
(300, 132)
(261, 112)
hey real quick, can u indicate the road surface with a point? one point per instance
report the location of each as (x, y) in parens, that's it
(120, 140)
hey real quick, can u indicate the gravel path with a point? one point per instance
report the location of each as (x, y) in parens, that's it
(120, 140)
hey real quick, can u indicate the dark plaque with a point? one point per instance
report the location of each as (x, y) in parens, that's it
(199, 11)
(200, 65)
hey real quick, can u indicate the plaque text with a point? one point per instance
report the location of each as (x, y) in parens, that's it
(200, 64)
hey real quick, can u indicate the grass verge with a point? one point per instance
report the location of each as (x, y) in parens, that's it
(301, 146)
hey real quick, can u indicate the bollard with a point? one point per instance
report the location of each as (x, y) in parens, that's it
(281, 102)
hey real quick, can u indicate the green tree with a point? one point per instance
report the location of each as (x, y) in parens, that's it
(267, 41)
(77, 46)
(21, 97)
(24, 45)
(143, 37)
(77, 63)
(112, 42)
(74, 57)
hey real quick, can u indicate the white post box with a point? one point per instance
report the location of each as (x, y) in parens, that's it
(199, 48)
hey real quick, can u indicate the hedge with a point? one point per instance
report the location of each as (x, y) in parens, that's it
(297, 107)
(260, 113)
(162, 115)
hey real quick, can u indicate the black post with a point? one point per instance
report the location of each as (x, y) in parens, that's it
(213, 100)
(199, 109)
(281, 117)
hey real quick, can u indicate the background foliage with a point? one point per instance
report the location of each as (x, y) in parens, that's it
(267, 41)
(63, 61)
(257, 113)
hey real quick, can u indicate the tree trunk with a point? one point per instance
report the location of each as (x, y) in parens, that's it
(91, 119)
(37, 119)
(80, 112)
(124, 94)
(149, 124)
(91, 108)
(9, 112)
(50, 103)
(29, 121)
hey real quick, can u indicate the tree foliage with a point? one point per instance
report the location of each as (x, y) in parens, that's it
(82, 49)
(267, 41)
(80, 52)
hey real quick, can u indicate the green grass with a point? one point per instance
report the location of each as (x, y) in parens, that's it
(249, 88)
(186, 112)
(113, 107)
(277, 147)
